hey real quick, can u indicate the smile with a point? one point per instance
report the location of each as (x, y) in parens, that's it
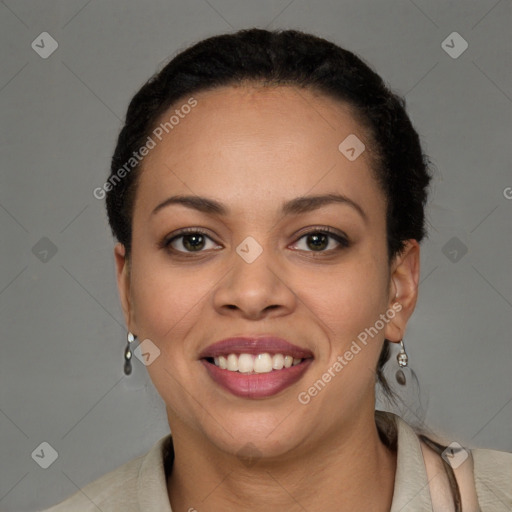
(260, 363)
(255, 367)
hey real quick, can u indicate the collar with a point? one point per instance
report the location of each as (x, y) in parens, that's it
(152, 482)
(411, 489)
(411, 492)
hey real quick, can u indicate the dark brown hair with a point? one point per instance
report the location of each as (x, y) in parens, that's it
(284, 57)
(287, 57)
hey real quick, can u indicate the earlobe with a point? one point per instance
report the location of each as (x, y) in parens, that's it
(123, 281)
(404, 281)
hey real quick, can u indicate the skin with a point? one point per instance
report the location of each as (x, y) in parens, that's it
(254, 148)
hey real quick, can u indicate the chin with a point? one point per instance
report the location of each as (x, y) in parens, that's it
(257, 435)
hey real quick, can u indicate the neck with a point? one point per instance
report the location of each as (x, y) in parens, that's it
(347, 471)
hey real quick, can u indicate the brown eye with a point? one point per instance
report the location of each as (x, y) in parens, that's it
(193, 242)
(317, 241)
(189, 242)
(321, 241)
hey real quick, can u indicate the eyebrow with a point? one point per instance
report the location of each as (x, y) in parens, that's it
(293, 207)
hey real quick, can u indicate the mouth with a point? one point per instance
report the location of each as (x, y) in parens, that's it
(255, 367)
(249, 364)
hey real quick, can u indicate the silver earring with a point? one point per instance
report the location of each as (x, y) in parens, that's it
(403, 361)
(128, 354)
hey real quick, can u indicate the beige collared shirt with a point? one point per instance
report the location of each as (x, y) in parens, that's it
(140, 485)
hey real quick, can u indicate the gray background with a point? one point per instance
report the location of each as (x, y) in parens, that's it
(61, 327)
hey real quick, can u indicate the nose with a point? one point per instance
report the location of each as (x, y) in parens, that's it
(254, 290)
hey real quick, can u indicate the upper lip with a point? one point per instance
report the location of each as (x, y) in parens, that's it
(255, 345)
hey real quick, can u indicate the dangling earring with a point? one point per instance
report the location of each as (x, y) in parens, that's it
(128, 354)
(402, 360)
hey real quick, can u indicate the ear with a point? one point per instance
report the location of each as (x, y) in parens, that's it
(403, 289)
(123, 283)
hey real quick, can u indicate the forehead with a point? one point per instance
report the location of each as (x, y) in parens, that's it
(256, 141)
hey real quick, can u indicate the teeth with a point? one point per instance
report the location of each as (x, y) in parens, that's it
(278, 362)
(232, 365)
(245, 363)
(260, 363)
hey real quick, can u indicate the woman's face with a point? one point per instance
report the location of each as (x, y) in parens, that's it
(261, 266)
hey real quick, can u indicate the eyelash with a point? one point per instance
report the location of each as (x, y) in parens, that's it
(324, 230)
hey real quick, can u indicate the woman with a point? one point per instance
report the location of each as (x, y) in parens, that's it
(267, 193)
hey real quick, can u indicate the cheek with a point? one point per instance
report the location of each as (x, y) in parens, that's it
(167, 305)
(346, 298)
(167, 301)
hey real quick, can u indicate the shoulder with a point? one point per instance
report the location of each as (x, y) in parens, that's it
(111, 490)
(493, 478)
(484, 477)
(120, 489)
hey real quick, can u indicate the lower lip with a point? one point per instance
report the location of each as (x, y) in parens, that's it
(256, 385)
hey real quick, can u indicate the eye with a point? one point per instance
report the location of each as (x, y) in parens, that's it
(321, 240)
(195, 240)
(188, 241)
